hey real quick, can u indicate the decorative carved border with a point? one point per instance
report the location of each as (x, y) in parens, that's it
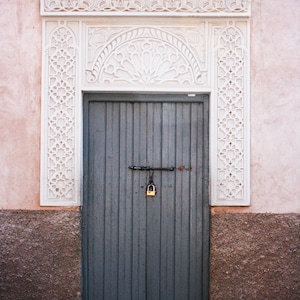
(147, 7)
(152, 55)
(59, 161)
(210, 56)
(232, 157)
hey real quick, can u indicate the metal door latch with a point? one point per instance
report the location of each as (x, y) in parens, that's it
(143, 168)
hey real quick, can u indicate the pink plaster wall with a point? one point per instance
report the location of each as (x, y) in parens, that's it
(275, 106)
(275, 102)
(20, 83)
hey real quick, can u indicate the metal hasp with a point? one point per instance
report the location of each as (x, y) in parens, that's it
(143, 168)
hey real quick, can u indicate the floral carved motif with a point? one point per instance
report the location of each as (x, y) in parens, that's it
(143, 56)
(61, 57)
(231, 60)
(146, 6)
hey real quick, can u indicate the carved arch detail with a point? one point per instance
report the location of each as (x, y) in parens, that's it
(145, 55)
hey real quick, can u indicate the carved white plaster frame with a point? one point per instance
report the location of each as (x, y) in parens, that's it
(88, 54)
(207, 8)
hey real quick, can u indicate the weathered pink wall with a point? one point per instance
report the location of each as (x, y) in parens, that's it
(275, 101)
(20, 84)
(275, 106)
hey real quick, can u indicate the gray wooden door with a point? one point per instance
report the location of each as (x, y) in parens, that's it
(138, 247)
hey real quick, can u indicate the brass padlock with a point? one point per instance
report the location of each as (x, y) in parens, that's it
(151, 189)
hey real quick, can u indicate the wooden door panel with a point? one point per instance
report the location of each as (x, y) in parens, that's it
(138, 247)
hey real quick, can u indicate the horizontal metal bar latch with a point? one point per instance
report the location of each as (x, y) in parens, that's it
(143, 168)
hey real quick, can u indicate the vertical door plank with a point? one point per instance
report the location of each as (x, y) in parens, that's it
(139, 204)
(125, 202)
(205, 201)
(167, 199)
(112, 200)
(96, 234)
(196, 201)
(154, 139)
(182, 203)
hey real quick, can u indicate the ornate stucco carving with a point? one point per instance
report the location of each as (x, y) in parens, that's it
(231, 87)
(210, 56)
(61, 55)
(84, 7)
(146, 55)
